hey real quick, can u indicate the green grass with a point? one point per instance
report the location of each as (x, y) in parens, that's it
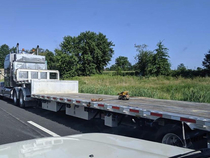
(196, 90)
(122, 73)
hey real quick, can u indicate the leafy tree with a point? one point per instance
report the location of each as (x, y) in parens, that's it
(89, 52)
(74, 52)
(152, 62)
(103, 52)
(4, 50)
(181, 71)
(206, 61)
(50, 60)
(123, 63)
(160, 61)
(199, 69)
(144, 60)
(113, 67)
(66, 64)
(181, 67)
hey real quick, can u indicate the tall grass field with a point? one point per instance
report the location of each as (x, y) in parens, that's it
(195, 90)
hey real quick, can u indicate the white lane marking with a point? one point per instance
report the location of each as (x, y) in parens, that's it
(43, 129)
(20, 121)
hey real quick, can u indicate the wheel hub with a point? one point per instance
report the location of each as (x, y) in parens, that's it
(172, 139)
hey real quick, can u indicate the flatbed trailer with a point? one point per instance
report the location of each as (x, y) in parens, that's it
(191, 110)
(184, 115)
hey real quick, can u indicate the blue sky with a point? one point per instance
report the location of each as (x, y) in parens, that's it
(182, 25)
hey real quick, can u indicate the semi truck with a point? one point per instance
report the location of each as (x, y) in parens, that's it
(28, 83)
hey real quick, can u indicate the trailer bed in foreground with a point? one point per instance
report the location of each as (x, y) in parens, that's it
(187, 111)
(196, 114)
(180, 107)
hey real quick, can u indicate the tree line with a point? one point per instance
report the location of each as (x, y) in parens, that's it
(89, 53)
(156, 63)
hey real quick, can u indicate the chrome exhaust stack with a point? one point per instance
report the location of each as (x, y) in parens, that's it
(37, 50)
(17, 48)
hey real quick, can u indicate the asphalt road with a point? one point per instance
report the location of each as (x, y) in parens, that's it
(15, 124)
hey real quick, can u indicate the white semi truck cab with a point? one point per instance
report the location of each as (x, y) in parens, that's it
(20, 68)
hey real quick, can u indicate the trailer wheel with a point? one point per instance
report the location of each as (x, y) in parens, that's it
(21, 100)
(172, 139)
(172, 135)
(15, 99)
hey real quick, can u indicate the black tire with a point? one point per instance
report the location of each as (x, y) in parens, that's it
(21, 100)
(15, 98)
(172, 135)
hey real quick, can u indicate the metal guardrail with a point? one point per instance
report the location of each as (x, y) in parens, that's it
(26, 75)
